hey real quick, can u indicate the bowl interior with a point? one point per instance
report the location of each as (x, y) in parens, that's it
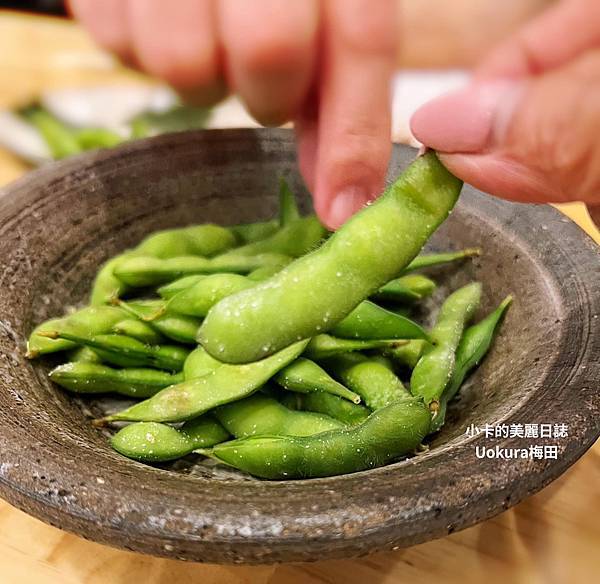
(58, 228)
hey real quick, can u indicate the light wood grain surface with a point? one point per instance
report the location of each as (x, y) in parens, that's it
(553, 537)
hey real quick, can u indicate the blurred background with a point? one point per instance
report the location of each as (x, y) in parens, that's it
(51, 61)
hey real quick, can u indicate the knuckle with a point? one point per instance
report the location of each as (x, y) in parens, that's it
(360, 158)
(373, 32)
(563, 146)
(182, 68)
(273, 55)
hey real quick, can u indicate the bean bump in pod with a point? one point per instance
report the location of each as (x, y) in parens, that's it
(318, 290)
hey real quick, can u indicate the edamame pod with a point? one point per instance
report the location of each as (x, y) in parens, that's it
(408, 355)
(369, 321)
(265, 272)
(83, 355)
(305, 376)
(323, 346)
(61, 140)
(154, 442)
(106, 285)
(202, 240)
(92, 320)
(387, 434)
(330, 405)
(260, 414)
(201, 296)
(149, 271)
(294, 239)
(172, 288)
(435, 368)
(92, 138)
(176, 327)
(82, 377)
(126, 352)
(288, 208)
(331, 281)
(406, 289)
(225, 384)
(428, 260)
(473, 346)
(250, 232)
(137, 329)
(198, 364)
(375, 382)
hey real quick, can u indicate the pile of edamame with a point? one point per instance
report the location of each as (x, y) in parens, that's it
(276, 347)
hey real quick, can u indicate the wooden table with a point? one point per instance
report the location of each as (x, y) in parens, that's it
(553, 536)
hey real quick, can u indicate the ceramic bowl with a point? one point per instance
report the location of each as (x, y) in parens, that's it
(59, 223)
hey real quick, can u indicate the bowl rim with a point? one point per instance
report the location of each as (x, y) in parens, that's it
(337, 528)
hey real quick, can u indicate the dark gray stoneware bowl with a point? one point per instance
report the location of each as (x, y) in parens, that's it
(58, 224)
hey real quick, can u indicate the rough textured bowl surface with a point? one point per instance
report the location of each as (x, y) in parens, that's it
(59, 223)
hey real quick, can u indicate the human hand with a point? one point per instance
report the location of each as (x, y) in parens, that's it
(326, 64)
(527, 126)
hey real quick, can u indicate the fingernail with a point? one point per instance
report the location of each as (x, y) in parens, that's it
(344, 205)
(468, 120)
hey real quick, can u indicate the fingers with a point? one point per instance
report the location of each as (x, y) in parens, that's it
(354, 115)
(270, 50)
(176, 42)
(306, 126)
(559, 35)
(107, 22)
(530, 140)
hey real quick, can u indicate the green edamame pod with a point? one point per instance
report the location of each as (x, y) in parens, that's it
(473, 346)
(369, 321)
(198, 364)
(434, 369)
(201, 296)
(92, 320)
(375, 382)
(409, 354)
(251, 232)
(294, 239)
(408, 289)
(176, 327)
(154, 442)
(83, 355)
(106, 285)
(265, 272)
(260, 414)
(323, 346)
(61, 139)
(227, 383)
(305, 376)
(137, 329)
(169, 290)
(196, 240)
(428, 260)
(127, 352)
(149, 271)
(82, 377)
(331, 281)
(385, 435)
(92, 138)
(330, 405)
(288, 209)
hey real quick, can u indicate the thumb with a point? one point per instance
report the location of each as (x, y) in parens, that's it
(529, 139)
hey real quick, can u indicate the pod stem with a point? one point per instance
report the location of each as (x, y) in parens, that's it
(49, 334)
